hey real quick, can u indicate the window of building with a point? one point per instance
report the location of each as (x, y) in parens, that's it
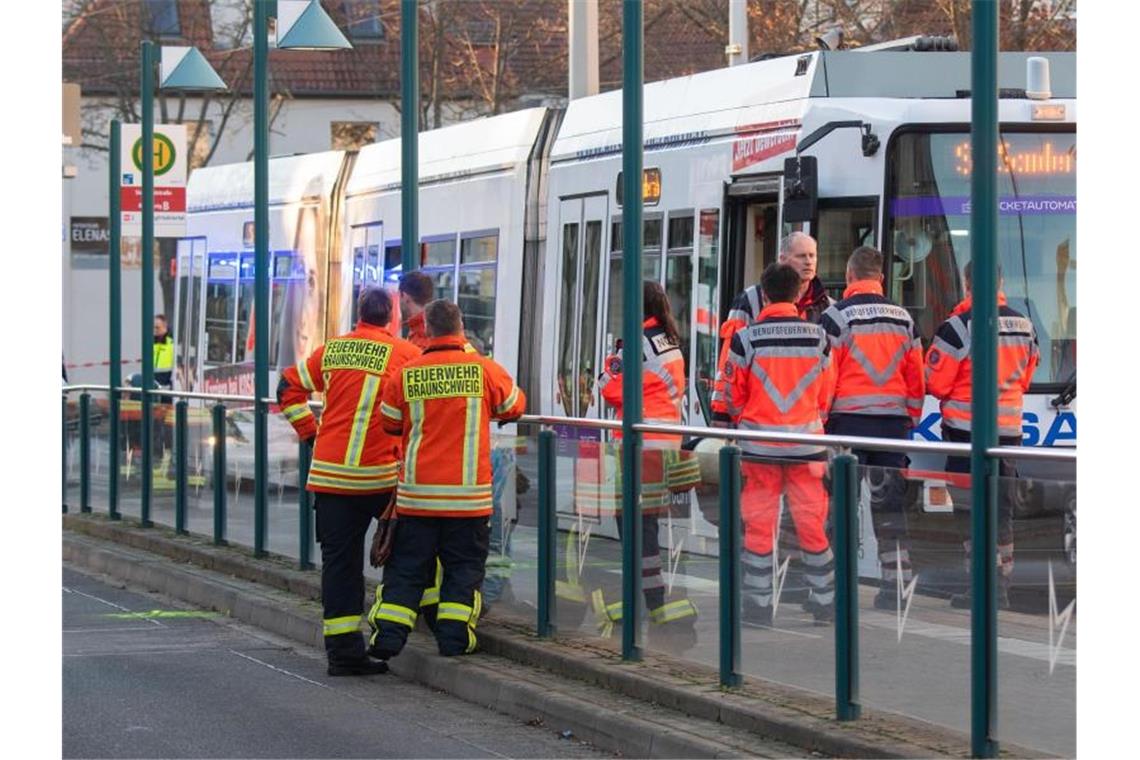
(353, 135)
(363, 19)
(162, 17)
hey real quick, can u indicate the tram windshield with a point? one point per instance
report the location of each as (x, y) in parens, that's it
(928, 233)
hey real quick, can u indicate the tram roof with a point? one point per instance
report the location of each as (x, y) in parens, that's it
(291, 178)
(472, 147)
(772, 93)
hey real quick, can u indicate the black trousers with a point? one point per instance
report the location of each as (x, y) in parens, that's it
(342, 523)
(1005, 492)
(461, 543)
(888, 486)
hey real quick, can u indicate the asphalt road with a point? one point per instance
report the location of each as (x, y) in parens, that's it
(144, 677)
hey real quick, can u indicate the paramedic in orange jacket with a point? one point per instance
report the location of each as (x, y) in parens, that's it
(948, 378)
(879, 391)
(663, 470)
(416, 291)
(354, 465)
(779, 377)
(800, 251)
(442, 405)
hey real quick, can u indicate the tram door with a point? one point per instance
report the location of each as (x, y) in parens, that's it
(753, 217)
(188, 312)
(367, 266)
(582, 246)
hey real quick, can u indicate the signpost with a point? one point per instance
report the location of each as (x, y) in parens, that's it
(170, 161)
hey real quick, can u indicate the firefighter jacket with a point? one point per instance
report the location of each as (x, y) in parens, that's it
(877, 355)
(779, 377)
(743, 312)
(662, 380)
(353, 454)
(417, 331)
(442, 404)
(948, 367)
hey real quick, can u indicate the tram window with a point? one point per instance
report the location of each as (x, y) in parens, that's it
(245, 308)
(679, 287)
(587, 344)
(708, 300)
(479, 249)
(372, 269)
(844, 225)
(220, 322)
(392, 257)
(567, 384)
(476, 293)
(440, 252)
(680, 232)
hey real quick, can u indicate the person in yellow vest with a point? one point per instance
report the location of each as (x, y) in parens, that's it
(164, 411)
(163, 353)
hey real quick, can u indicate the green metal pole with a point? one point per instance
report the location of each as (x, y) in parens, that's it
(219, 419)
(85, 452)
(305, 509)
(728, 533)
(147, 431)
(261, 273)
(983, 413)
(631, 325)
(181, 457)
(409, 134)
(114, 269)
(547, 525)
(64, 453)
(844, 509)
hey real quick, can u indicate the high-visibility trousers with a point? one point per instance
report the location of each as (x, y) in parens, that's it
(461, 544)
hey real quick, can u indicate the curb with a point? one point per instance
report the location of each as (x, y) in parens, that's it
(801, 720)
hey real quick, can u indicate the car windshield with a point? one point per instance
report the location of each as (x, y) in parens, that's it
(928, 233)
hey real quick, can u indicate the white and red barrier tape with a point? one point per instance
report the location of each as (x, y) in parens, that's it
(102, 364)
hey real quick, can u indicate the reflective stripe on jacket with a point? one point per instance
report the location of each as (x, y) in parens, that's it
(877, 355)
(442, 404)
(779, 377)
(353, 453)
(948, 367)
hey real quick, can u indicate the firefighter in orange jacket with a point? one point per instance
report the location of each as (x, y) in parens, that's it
(800, 251)
(354, 465)
(879, 390)
(779, 377)
(441, 404)
(665, 469)
(416, 291)
(948, 378)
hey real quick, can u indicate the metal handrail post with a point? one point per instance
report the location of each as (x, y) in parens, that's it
(845, 514)
(262, 12)
(547, 526)
(219, 419)
(181, 459)
(409, 135)
(84, 452)
(305, 510)
(983, 411)
(728, 533)
(632, 114)
(147, 158)
(115, 286)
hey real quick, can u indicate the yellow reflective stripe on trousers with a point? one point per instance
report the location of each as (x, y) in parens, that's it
(455, 611)
(340, 625)
(306, 379)
(431, 595)
(415, 438)
(471, 440)
(666, 613)
(394, 613)
(361, 419)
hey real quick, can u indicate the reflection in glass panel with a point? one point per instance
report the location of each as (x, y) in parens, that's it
(477, 302)
(587, 344)
(679, 289)
(708, 306)
(437, 253)
(480, 249)
(567, 316)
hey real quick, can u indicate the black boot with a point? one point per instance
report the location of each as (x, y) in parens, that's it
(365, 666)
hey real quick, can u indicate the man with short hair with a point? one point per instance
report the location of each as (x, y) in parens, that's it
(779, 378)
(355, 462)
(879, 391)
(949, 379)
(416, 290)
(798, 250)
(441, 404)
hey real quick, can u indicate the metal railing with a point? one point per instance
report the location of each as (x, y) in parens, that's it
(844, 509)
